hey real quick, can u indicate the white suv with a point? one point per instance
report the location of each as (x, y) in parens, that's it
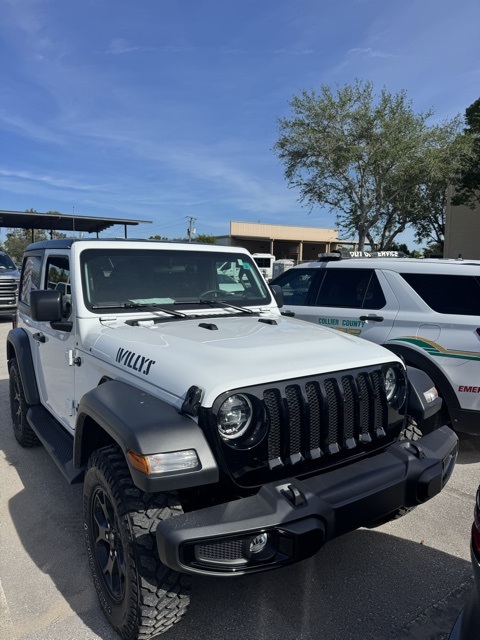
(425, 310)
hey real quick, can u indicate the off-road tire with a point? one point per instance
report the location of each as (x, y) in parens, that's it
(23, 432)
(140, 597)
(412, 432)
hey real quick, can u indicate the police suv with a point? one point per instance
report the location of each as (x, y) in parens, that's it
(425, 310)
(213, 436)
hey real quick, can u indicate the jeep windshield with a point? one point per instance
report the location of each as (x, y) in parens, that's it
(170, 280)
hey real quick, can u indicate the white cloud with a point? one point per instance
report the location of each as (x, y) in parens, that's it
(29, 129)
(119, 46)
(53, 181)
(371, 53)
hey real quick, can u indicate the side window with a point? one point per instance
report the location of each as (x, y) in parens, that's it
(349, 288)
(30, 277)
(447, 294)
(298, 285)
(58, 278)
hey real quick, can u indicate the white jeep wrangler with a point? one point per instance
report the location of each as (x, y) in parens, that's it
(213, 436)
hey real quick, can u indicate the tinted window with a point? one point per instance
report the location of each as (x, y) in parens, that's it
(447, 294)
(297, 285)
(354, 289)
(30, 277)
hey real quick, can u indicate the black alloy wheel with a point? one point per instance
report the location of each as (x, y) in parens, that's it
(108, 547)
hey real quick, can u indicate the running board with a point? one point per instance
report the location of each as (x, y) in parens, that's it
(56, 441)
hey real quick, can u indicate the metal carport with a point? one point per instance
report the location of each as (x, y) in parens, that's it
(62, 222)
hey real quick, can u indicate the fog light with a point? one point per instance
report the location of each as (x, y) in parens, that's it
(258, 543)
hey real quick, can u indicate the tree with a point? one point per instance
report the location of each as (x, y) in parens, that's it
(420, 198)
(201, 237)
(18, 239)
(467, 187)
(205, 238)
(367, 158)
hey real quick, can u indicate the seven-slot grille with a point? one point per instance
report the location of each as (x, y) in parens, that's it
(8, 287)
(324, 416)
(305, 425)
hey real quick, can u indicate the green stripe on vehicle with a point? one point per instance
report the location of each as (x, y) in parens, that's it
(436, 350)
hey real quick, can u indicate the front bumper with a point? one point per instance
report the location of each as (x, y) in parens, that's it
(466, 421)
(299, 516)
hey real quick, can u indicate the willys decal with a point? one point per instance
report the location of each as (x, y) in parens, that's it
(134, 361)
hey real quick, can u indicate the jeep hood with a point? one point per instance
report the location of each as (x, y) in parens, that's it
(222, 353)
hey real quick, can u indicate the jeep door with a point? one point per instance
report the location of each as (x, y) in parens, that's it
(55, 342)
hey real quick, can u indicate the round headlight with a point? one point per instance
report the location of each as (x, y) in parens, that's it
(234, 417)
(390, 383)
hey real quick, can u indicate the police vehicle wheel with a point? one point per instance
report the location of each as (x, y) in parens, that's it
(140, 597)
(23, 432)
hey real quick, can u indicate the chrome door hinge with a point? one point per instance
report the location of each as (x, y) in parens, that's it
(73, 359)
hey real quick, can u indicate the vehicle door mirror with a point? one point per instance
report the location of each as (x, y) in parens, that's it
(277, 292)
(46, 305)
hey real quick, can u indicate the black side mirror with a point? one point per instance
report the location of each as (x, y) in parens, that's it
(46, 305)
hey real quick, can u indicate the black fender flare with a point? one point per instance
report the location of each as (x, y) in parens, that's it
(436, 374)
(18, 347)
(418, 383)
(144, 424)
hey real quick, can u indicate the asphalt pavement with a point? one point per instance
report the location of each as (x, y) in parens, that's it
(406, 580)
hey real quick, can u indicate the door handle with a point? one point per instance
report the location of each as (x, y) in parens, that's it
(372, 318)
(290, 314)
(39, 337)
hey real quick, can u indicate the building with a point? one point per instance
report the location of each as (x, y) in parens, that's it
(284, 241)
(462, 231)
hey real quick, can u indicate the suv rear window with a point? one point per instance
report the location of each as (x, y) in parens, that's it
(459, 295)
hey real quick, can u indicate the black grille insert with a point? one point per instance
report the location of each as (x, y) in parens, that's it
(315, 422)
(324, 416)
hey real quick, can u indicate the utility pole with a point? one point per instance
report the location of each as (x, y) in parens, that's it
(190, 230)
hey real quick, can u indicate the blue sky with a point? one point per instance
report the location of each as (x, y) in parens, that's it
(162, 109)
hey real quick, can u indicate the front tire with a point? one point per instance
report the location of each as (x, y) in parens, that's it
(140, 597)
(24, 434)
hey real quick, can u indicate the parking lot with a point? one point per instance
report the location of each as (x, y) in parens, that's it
(405, 580)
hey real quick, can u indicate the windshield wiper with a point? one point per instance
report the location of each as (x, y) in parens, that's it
(153, 305)
(217, 303)
(142, 305)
